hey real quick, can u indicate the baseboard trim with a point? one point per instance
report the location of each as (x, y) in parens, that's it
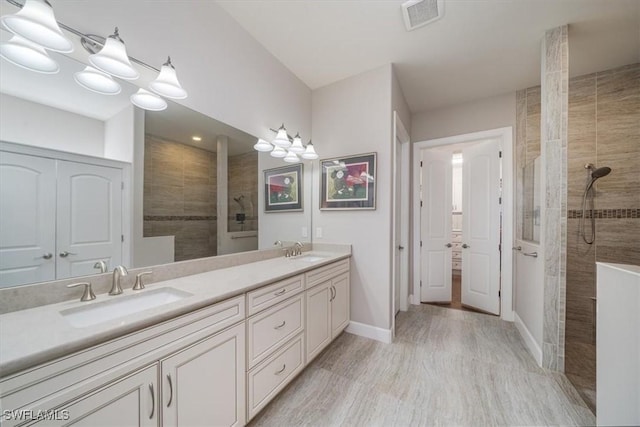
(368, 331)
(531, 343)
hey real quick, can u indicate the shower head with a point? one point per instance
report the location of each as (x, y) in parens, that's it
(598, 173)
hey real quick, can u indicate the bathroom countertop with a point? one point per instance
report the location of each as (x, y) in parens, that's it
(37, 335)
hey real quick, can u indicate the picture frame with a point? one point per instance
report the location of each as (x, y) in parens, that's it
(348, 182)
(283, 189)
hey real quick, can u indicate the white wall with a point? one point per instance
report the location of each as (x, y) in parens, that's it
(489, 113)
(25, 122)
(119, 135)
(349, 117)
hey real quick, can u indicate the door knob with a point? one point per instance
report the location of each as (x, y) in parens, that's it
(400, 247)
(48, 255)
(66, 254)
(465, 246)
(448, 245)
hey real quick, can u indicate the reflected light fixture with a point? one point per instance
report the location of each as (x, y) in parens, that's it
(167, 84)
(37, 23)
(97, 81)
(23, 53)
(297, 147)
(291, 157)
(113, 59)
(148, 101)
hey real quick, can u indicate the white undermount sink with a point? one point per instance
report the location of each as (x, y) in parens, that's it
(121, 306)
(311, 258)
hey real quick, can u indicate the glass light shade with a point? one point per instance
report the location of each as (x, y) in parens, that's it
(37, 23)
(263, 145)
(309, 153)
(279, 152)
(97, 81)
(148, 101)
(112, 59)
(167, 84)
(281, 139)
(21, 52)
(297, 146)
(291, 157)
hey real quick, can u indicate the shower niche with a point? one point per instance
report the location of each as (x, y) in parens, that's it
(531, 201)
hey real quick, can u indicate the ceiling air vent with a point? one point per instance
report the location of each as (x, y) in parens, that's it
(417, 13)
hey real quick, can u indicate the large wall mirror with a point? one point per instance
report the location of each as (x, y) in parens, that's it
(87, 178)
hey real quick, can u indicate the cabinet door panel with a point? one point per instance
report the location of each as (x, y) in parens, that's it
(123, 403)
(340, 304)
(205, 383)
(318, 319)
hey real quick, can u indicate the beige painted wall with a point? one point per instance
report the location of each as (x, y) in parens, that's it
(489, 113)
(354, 116)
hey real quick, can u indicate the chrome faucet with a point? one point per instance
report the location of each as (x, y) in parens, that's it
(298, 248)
(278, 243)
(118, 272)
(101, 265)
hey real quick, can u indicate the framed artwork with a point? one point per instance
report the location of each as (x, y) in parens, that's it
(283, 189)
(348, 182)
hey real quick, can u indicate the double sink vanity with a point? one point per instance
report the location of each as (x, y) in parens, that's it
(203, 349)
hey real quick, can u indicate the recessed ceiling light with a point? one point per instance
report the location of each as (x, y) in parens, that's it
(196, 138)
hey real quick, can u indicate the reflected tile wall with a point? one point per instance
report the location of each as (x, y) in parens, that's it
(243, 182)
(180, 196)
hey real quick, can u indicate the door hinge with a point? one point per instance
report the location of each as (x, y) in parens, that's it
(122, 185)
(499, 200)
(499, 294)
(420, 243)
(420, 163)
(122, 237)
(420, 283)
(499, 247)
(420, 203)
(500, 154)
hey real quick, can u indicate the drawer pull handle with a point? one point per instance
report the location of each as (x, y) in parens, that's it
(532, 254)
(170, 390)
(281, 370)
(153, 401)
(284, 322)
(280, 292)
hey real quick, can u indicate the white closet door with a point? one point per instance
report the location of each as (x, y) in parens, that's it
(435, 226)
(89, 223)
(27, 219)
(481, 227)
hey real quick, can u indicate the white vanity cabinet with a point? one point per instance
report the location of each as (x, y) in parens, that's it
(327, 306)
(204, 384)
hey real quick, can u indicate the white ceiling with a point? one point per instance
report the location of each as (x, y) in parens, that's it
(480, 48)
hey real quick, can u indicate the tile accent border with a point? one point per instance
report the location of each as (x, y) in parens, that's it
(604, 213)
(179, 218)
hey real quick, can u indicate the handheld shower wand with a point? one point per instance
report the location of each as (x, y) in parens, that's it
(589, 194)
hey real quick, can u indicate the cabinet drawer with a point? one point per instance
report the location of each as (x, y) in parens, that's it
(456, 237)
(457, 265)
(269, 329)
(271, 376)
(457, 246)
(267, 296)
(321, 274)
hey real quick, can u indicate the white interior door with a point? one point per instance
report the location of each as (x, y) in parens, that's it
(399, 247)
(27, 219)
(89, 220)
(481, 226)
(435, 226)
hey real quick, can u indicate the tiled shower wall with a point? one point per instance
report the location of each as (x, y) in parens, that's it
(180, 187)
(243, 182)
(604, 129)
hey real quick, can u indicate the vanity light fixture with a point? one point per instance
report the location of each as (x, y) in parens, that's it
(36, 29)
(23, 53)
(36, 22)
(148, 101)
(290, 152)
(97, 81)
(167, 84)
(113, 58)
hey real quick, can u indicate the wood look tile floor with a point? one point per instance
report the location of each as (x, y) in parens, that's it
(445, 368)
